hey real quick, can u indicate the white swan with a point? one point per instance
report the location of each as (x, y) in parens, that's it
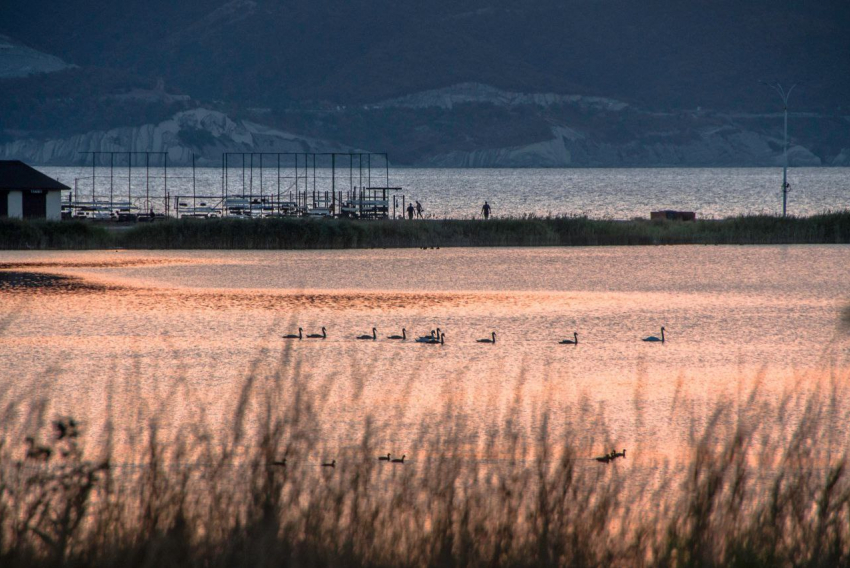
(294, 336)
(373, 337)
(323, 335)
(435, 336)
(493, 340)
(573, 341)
(653, 338)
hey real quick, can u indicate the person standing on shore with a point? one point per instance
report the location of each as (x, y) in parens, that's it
(485, 209)
(410, 211)
(418, 210)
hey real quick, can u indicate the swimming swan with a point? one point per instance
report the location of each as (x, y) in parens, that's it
(573, 341)
(493, 341)
(323, 335)
(373, 337)
(332, 464)
(403, 335)
(435, 335)
(653, 338)
(399, 460)
(384, 458)
(434, 341)
(293, 336)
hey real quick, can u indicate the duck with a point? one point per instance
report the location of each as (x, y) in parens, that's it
(323, 335)
(573, 341)
(403, 335)
(396, 460)
(294, 336)
(373, 337)
(35, 452)
(604, 459)
(384, 458)
(653, 338)
(332, 464)
(493, 340)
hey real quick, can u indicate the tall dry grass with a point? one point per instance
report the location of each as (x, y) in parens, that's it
(762, 482)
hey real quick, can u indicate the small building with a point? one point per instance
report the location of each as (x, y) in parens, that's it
(26, 193)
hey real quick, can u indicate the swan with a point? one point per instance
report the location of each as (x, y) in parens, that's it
(399, 460)
(493, 341)
(403, 335)
(281, 463)
(618, 454)
(373, 337)
(442, 340)
(603, 459)
(323, 335)
(384, 458)
(293, 336)
(428, 338)
(573, 341)
(435, 336)
(332, 464)
(653, 338)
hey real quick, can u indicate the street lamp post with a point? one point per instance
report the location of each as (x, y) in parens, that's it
(783, 94)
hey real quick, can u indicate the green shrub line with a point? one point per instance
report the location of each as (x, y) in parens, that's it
(301, 234)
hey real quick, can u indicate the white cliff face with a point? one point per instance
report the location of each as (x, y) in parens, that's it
(221, 133)
(17, 60)
(569, 147)
(478, 93)
(699, 141)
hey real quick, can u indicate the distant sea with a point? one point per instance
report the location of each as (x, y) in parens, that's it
(460, 193)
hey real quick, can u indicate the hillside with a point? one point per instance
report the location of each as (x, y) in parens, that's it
(367, 76)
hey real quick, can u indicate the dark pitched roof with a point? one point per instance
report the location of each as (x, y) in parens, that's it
(15, 174)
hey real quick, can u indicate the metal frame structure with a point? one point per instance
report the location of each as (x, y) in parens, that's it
(75, 204)
(356, 201)
(303, 183)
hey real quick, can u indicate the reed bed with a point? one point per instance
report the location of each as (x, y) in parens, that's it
(763, 482)
(298, 233)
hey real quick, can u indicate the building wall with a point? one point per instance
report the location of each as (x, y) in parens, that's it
(54, 205)
(16, 204)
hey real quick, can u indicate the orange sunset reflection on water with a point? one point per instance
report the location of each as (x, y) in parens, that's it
(174, 334)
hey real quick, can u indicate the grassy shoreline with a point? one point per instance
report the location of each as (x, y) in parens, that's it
(302, 234)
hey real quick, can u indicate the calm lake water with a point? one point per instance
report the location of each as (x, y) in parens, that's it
(459, 193)
(173, 334)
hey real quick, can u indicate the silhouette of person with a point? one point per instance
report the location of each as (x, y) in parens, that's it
(486, 210)
(418, 210)
(410, 211)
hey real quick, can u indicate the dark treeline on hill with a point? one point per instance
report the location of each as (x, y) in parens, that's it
(437, 83)
(655, 53)
(301, 234)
